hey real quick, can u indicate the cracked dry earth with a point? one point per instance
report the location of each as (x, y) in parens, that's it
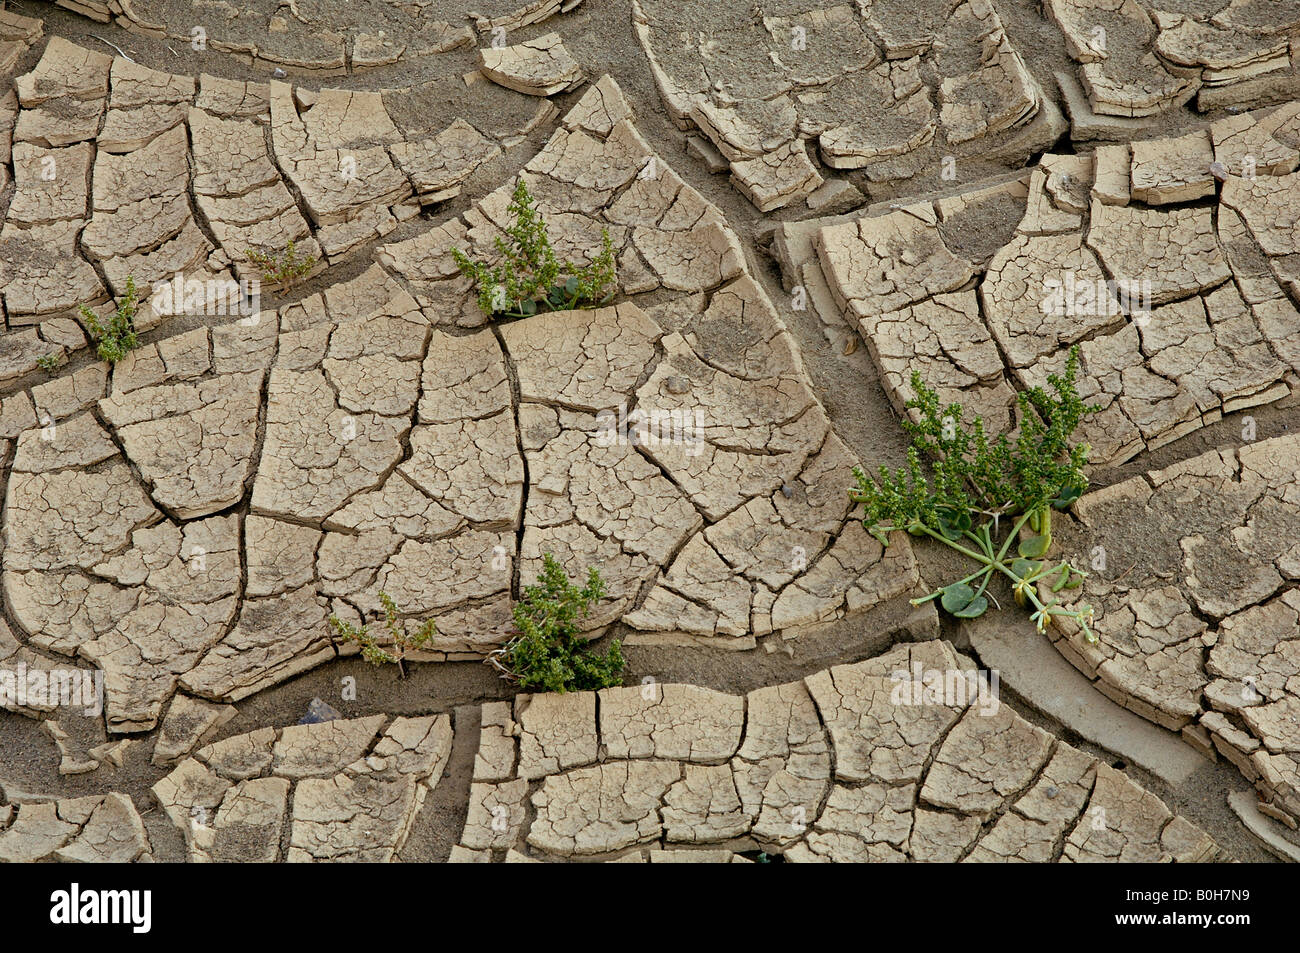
(778, 187)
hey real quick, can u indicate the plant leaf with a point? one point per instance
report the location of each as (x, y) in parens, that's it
(974, 609)
(953, 523)
(949, 529)
(957, 597)
(1024, 568)
(1066, 497)
(1032, 547)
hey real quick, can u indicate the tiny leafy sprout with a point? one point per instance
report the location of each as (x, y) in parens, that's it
(117, 338)
(49, 362)
(402, 642)
(281, 269)
(549, 653)
(527, 276)
(960, 486)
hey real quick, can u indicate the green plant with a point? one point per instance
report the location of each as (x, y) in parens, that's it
(975, 482)
(281, 269)
(50, 362)
(528, 277)
(117, 338)
(403, 642)
(549, 652)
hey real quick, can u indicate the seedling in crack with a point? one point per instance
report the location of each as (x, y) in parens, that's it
(402, 642)
(527, 277)
(976, 484)
(117, 338)
(549, 653)
(281, 269)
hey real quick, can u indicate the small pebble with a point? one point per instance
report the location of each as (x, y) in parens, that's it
(1053, 790)
(319, 711)
(1219, 171)
(278, 73)
(787, 490)
(677, 385)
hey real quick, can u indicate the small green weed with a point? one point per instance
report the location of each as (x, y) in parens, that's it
(114, 340)
(403, 643)
(974, 482)
(549, 653)
(281, 269)
(529, 277)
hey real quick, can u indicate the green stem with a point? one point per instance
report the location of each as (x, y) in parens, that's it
(988, 565)
(979, 541)
(953, 544)
(1043, 573)
(938, 592)
(1053, 609)
(1015, 531)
